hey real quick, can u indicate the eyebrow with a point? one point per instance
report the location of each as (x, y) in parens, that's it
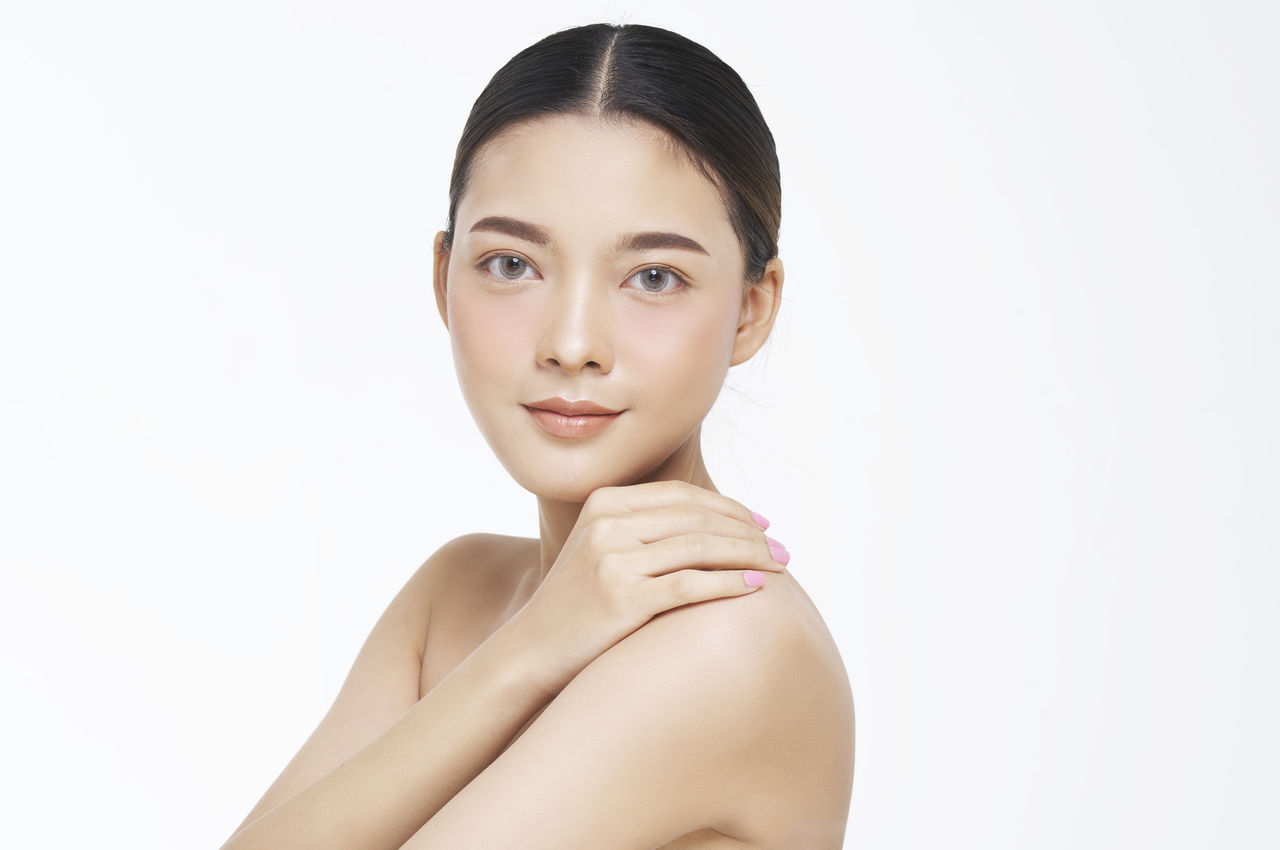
(651, 240)
(513, 227)
(648, 240)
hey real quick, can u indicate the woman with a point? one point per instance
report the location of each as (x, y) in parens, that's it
(610, 252)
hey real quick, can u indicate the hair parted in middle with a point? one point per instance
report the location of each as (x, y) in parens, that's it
(644, 73)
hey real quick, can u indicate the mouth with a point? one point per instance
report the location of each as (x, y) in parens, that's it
(571, 419)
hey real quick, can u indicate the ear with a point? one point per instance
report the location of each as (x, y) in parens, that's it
(759, 308)
(440, 277)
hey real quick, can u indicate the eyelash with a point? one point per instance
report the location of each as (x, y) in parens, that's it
(684, 284)
(486, 264)
(492, 258)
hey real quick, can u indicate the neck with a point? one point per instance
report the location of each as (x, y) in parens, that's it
(557, 518)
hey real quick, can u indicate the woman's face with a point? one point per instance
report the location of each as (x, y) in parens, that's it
(593, 263)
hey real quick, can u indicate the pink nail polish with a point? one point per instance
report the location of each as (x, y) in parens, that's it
(759, 520)
(753, 578)
(775, 543)
(780, 553)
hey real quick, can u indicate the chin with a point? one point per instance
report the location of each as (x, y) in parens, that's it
(568, 484)
(571, 471)
(573, 479)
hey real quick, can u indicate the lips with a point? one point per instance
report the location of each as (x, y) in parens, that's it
(571, 419)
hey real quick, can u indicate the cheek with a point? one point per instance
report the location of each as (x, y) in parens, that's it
(485, 332)
(682, 353)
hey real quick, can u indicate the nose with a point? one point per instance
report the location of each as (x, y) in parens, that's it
(577, 328)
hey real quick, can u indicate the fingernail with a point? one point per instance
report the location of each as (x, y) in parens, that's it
(759, 520)
(779, 552)
(773, 543)
(753, 578)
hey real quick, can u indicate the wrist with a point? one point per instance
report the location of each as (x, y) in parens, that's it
(528, 664)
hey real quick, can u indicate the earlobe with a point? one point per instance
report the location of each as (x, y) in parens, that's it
(759, 309)
(440, 277)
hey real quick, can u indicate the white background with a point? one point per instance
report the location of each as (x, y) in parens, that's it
(1017, 423)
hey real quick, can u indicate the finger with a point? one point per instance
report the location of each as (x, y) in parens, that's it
(657, 494)
(687, 586)
(654, 524)
(708, 551)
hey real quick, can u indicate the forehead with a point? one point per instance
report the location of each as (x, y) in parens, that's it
(580, 176)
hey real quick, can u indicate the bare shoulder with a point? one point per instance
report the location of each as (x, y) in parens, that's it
(470, 587)
(747, 700)
(409, 613)
(766, 638)
(723, 723)
(784, 693)
(477, 557)
(459, 574)
(385, 679)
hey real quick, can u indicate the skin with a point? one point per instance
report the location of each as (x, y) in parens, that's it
(547, 692)
(591, 335)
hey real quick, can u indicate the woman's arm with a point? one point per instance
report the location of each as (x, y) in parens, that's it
(382, 761)
(734, 716)
(627, 560)
(382, 685)
(380, 796)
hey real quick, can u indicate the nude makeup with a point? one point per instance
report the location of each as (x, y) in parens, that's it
(571, 420)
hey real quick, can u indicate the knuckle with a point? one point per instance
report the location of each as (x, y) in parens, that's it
(610, 563)
(695, 546)
(673, 488)
(689, 514)
(596, 500)
(683, 584)
(602, 531)
(760, 553)
(745, 553)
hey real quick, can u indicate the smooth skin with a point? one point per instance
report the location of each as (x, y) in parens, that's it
(616, 682)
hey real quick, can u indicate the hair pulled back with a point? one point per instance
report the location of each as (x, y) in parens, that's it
(653, 75)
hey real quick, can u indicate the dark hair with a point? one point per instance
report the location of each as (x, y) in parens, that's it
(654, 75)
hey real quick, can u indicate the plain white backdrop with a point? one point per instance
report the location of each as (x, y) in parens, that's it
(1017, 423)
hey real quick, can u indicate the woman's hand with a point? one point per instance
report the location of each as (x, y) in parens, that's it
(635, 552)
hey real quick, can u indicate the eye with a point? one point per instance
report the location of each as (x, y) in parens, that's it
(507, 267)
(657, 279)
